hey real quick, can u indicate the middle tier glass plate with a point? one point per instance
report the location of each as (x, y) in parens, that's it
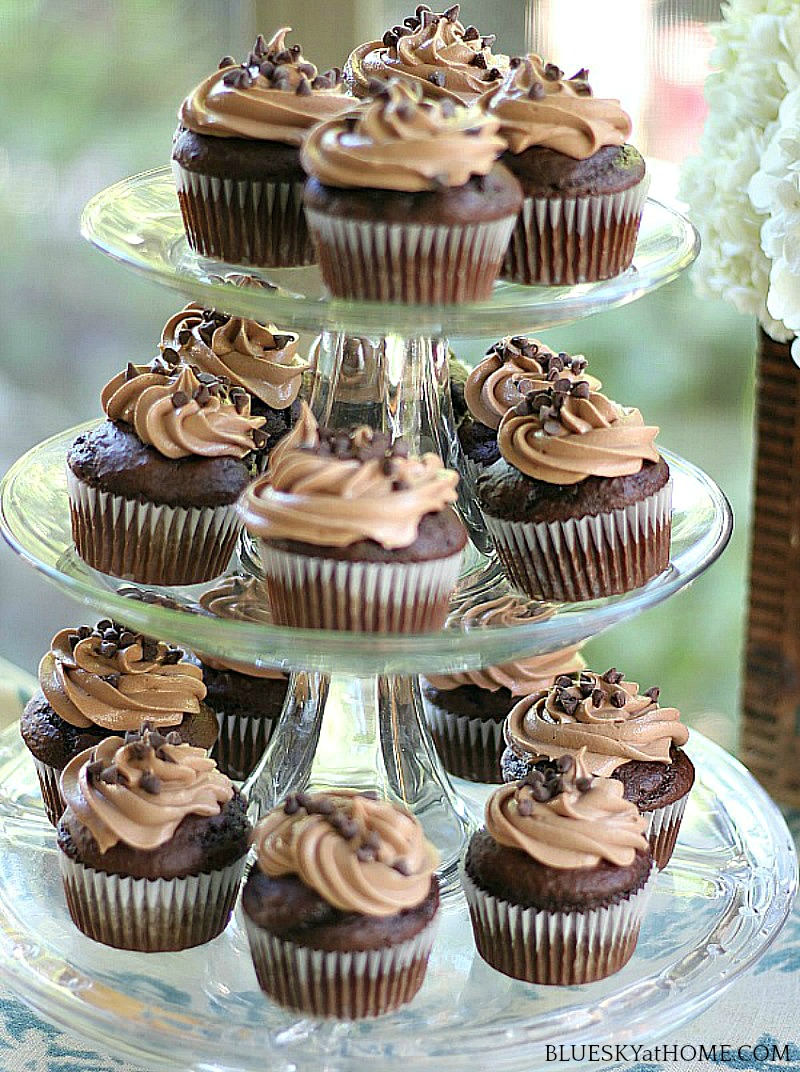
(34, 516)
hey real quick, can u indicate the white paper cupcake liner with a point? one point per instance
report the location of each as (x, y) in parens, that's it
(662, 829)
(415, 263)
(570, 240)
(587, 557)
(147, 542)
(150, 915)
(50, 784)
(247, 222)
(241, 743)
(555, 948)
(469, 747)
(374, 597)
(345, 985)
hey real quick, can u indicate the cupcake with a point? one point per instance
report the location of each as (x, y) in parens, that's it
(584, 186)
(153, 843)
(235, 155)
(558, 881)
(405, 200)
(465, 711)
(434, 52)
(259, 358)
(355, 533)
(624, 735)
(579, 504)
(247, 700)
(100, 682)
(153, 489)
(340, 906)
(512, 367)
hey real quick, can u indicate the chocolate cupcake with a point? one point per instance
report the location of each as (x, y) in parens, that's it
(153, 489)
(235, 155)
(341, 904)
(96, 683)
(623, 734)
(584, 187)
(355, 534)
(405, 201)
(434, 52)
(513, 367)
(579, 504)
(259, 358)
(246, 699)
(558, 882)
(153, 843)
(465, 711)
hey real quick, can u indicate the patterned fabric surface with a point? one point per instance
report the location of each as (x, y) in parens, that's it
(760, 1013)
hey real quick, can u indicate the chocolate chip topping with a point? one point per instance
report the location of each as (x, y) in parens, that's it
(547, 780)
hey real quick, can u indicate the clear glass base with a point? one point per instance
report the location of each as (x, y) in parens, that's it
(715, 910)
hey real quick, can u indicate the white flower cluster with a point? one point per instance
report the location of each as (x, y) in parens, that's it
(744, 189)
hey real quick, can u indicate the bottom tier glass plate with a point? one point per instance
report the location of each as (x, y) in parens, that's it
(715, 911)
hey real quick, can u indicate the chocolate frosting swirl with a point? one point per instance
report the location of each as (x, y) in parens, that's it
(275, 95)
(520, 677)
(602, 715)
(399, 142)
(334, 489)
(113, 678)
(536, 105)
(513, 367)
(434, 52)
(573, 828)
(138, 791)
(569, 432)
(180, 412)
(258, 357)
(361, 854)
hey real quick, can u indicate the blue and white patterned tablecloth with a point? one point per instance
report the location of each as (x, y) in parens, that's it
(760, 1013)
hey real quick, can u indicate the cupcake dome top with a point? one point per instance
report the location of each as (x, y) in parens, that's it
(513, 367)
(601, 715)
(358, 852)
(258, 357)
(274, 95)
(335, 488)
(537, 105)
(137, 790)
(398, 141)
(562, 817)
(114, 678)
(566, 432)
(434, 51)
(183, 412)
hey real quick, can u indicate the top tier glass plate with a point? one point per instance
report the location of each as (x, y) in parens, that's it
(138, 222)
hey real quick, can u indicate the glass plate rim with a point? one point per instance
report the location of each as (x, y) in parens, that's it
(565, 305)
(328, 650)
(20, 962)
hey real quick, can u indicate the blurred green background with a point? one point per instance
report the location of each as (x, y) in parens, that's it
(89, 92)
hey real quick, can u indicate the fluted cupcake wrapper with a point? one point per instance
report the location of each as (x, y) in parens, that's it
(345, 985)
(241, 742)
(373, 597)
(147, 542)
(243, 221)
(469, 747)
(50, 784)
(414, 263)
(587, 557)
(150, 915)
(563, 241)
(662, 830)
(555, 948)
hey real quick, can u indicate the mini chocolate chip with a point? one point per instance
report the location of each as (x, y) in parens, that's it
(525, 807)
(241, 402)
(488, 40)
(138, 750)
(260, 45)
(150, 783)
(173, 657)
(515, 62)
(165, 757)
(452, 13)
(412, 22)
(295, 50)
(308, 69)
(73, 639)
(552, 427)
(479, 60)
(180, 398)
(349, 829)
(112, 679)
(401, 31)
(108, 649)
(84, 631)
(437, 78)
(94, 770)
(226, 61)
(267, 69)
(253, 60)
(402, 865)
(612, 676)
(110, 775)
(320, 82)
(562, 385)
(291, 805)
(553, 73)
(537, 91)
(564, 764)
(173, 737)
(156, 739)
(239, 78)
(364, 855)
(492, 75)
(618, 699)
(564, 681)
(284, 56)
(202, 395)
(303, 88)
(304, 799)
(567, 702)
(581, 389)
(540, 793)
(653, 693)
(376, 88)
(389, 39)
(131, 371)
(260, 439)
(471, 33)
(583, 784)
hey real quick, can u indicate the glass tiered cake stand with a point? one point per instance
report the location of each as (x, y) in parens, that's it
(354, 716)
